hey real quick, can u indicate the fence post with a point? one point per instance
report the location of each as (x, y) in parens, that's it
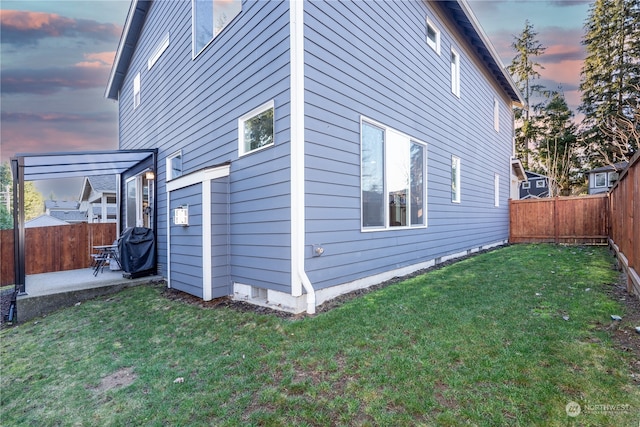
(556, 218)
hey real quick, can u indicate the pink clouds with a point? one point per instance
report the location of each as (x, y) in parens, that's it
(27, 28)
(97, 60)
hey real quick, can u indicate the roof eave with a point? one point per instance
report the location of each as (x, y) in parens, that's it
(511, 88)
(128, 40)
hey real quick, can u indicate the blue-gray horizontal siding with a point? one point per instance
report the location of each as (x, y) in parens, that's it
(194, 105)
(220, 269)
(371, 59)
(186, 242)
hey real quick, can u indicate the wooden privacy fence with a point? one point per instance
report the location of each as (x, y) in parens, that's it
(571, 220)
(624, 207)
(59, 248)
(611, 218)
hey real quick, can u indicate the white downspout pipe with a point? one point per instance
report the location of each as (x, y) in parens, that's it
(299, 278)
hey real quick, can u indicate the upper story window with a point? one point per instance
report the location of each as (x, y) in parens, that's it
(541, 183)
(393, 179)
(601, 179)
(613, 177)
(526, 185)
(455, 73)
(136, 91)
(496, 115)
(158, 51)
(433, 36)
(209, 18)
(455, 179)
(255, 129)
(174, 165)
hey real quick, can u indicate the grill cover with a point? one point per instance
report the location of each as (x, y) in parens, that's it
(137, 250)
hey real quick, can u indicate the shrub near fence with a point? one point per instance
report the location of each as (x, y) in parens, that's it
(59, 248)
(573, 220)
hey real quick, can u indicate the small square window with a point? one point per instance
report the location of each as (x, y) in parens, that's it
(455, 73)
(613, 177)
(136, 91)
(601, 180)
(174, 165)
(433, 36)
(526, 185)
(255, 129)
(541, 183)
(455, 179)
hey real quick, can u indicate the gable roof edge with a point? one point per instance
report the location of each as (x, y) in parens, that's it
(128, 41)
(514, 92)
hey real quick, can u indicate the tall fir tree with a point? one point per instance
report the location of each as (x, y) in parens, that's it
(610, 81)
(525, 70)
(557, 145)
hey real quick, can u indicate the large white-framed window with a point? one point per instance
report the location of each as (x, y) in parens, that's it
(496, 190)
(158, 51)
(256, 129)
(601, 179)
(455, 72)
(496, 115)
(136, 91)
(455, 179)
(393, 178)
(209, 18)
(433, 36)
(174, 165)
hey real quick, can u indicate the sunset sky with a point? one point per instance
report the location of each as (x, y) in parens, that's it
(56, 57)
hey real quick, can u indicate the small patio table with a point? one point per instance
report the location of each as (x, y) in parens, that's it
(104, 254)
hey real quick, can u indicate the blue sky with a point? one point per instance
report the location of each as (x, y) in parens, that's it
(56, 57)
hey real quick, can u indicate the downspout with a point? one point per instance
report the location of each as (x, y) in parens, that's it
(299, 278)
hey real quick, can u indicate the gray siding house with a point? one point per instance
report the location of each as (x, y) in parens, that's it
(307, 149)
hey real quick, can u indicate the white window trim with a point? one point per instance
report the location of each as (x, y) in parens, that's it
(458, 194)
(195, 54)
(434, 45)
(136, 91)
(541, 183)
(496, 115)
(256, 111)
(386, 226)
(595, 180)
(612, 178)
(455, 73)
(158, 51)
(496, 190)
(526, 185)
(168, 175)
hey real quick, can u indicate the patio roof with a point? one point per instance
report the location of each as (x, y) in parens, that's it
(41, 166)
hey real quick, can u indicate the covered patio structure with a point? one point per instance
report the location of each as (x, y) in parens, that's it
(126, 165)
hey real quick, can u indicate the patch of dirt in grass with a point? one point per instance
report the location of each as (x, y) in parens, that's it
(623, 332)
(5, 302)
(120, 378)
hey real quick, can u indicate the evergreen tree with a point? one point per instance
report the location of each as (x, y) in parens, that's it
(557, 145)
(525, 70)
(610, 81)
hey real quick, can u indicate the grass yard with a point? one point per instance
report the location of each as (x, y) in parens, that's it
(481, 342)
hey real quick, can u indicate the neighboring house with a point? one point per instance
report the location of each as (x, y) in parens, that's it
(536, 186)
(602, 179)
(44, 220)
(307, 149)
(98, 197)
(67, 211)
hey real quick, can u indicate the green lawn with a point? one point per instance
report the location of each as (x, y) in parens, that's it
(480, 342)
